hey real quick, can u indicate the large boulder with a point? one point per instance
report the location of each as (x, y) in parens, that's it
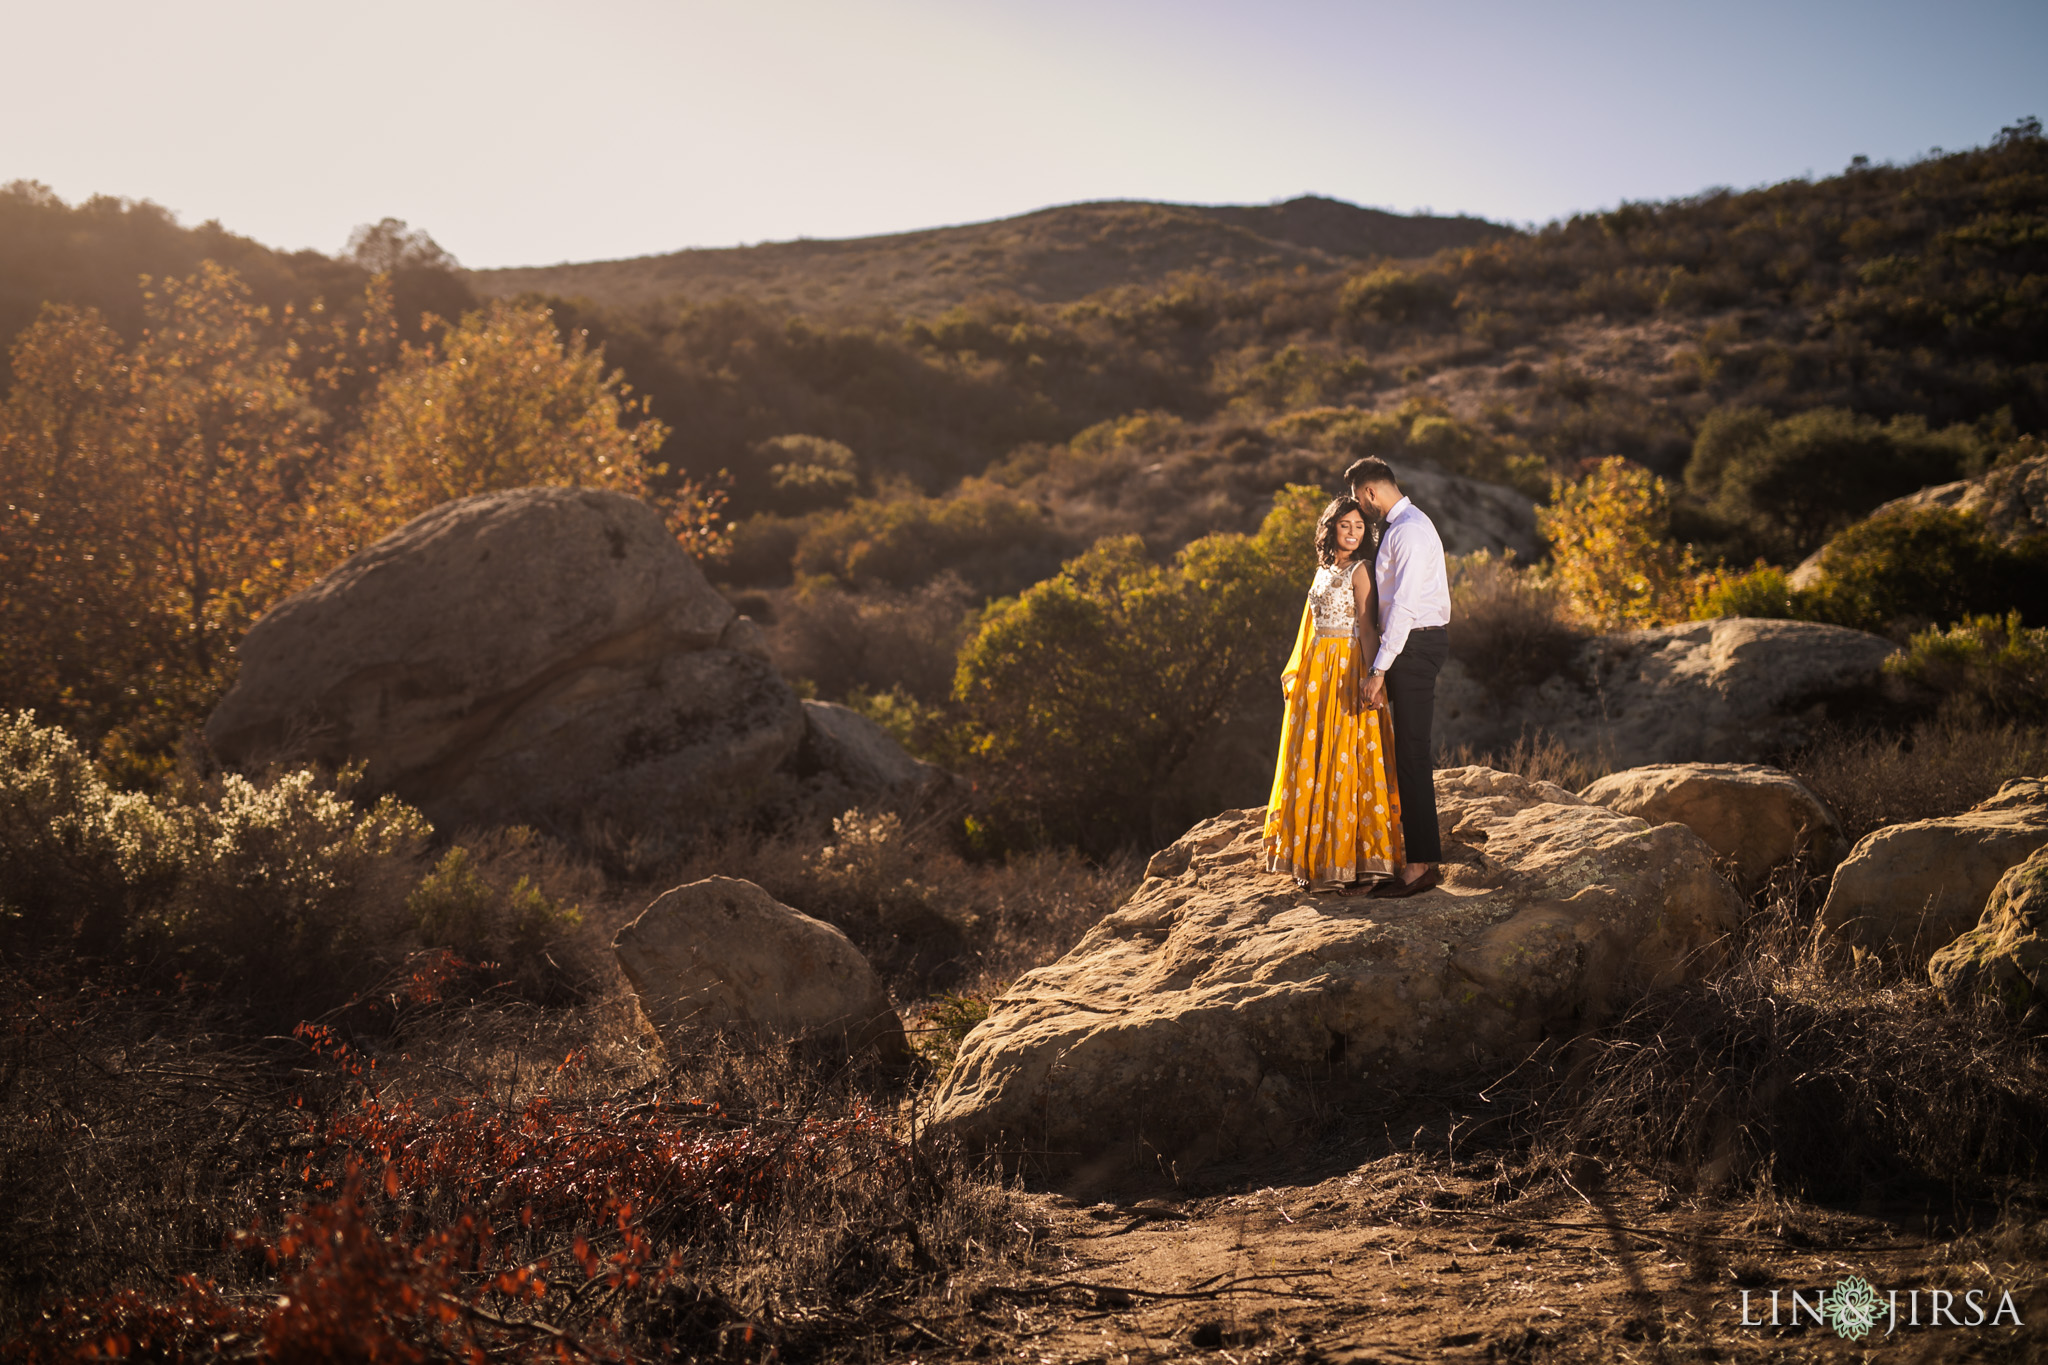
(2005, 958)
(543, 656)
(1906, 890)
(1198, 1017)
(722, 956)
(1726, 691)
(1757, 818)
(2011, 501)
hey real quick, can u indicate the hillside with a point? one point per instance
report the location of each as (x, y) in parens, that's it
(1055, 255)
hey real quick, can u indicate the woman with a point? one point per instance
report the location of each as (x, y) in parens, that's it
(1334, 819)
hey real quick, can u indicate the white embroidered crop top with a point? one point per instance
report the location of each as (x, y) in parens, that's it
(1330, 598)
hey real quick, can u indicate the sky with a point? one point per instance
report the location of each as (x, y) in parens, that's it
(521, 133)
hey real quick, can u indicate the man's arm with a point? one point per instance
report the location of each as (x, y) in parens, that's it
(1399, 618)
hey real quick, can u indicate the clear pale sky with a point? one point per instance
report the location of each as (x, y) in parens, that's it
(528, 133)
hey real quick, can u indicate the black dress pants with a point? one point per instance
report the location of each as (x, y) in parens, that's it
(1411, 691)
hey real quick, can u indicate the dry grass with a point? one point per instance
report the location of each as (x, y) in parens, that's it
(1792, 1071)
(1938, 768)
(1540, 758)
(1514, 628)
(737, 1194)
(929, 917)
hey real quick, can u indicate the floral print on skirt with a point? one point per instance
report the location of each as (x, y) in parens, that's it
(1333, 817)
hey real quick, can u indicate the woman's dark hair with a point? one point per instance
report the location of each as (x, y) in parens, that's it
(1326, 528)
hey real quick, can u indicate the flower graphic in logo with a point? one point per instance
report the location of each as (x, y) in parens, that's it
(1852, 1307)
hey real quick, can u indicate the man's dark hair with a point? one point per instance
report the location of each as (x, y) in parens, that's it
(1371, 469)
(1326, 528)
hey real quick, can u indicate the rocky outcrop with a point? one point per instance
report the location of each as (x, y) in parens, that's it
(2005, 958)
(544, 656)
(1907, 890)
(722, 956)
(1471, 515)
(1756, 818)
(1726, 691)
(2012, 502)
(1197, 1017)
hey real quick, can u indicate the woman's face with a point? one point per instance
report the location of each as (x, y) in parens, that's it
(1350, 531)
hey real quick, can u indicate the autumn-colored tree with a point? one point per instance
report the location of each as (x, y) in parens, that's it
(1085, 694)
(505, 401)
(154, 501)
(1610, 543)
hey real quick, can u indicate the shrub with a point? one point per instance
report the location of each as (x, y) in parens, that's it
(78, 859)
(1983, 664)
(1511, 627)
(1082, 696)
(1801, 478)
(873, 641)
(1762, 590)
(992, 538)
(282, 894)
(760, 550)
(1938, 768)
(809, 472)
(1928, 564)
(1609, 537)
(1391, 295)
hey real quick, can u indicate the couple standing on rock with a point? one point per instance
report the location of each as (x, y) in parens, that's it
(1361, 698)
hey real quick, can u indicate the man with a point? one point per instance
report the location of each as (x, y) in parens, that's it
(1415, 613)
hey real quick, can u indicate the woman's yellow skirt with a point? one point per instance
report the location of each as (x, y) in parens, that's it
(1333, 817)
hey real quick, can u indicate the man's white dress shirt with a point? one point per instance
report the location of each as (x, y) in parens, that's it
(1414, 588)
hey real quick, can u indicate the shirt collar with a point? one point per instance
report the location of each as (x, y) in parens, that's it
(1395, 510)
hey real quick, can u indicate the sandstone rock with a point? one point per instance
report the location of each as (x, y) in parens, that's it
(1909, 889)
(2005, 958)
(1197, 1016)
(1727, 691)
(723, 956)
(544, 656)
(1759, 818)
(2011, 502)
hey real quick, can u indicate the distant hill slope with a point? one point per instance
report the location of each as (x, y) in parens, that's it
(1051, 256)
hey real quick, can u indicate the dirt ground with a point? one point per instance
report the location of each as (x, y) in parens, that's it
(1411, 1257)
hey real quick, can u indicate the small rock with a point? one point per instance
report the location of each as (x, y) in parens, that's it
(722, 955)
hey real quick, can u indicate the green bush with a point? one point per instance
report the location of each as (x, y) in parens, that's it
(282, 895)
(1797, 480)
(1992, 666)
(78, 859)
(1084, 696)
(809, 472)
(1763, 590)
(992, 538)
(1927, 565)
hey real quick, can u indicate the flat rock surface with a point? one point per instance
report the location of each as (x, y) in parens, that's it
(1200, 1018)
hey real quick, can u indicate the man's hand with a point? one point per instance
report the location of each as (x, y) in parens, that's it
(1374, 692)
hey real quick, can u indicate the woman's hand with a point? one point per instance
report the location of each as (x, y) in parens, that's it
(1374, 691)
